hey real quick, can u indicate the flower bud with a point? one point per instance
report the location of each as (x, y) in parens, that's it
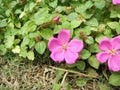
(56, 20)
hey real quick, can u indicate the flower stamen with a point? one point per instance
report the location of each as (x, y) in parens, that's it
(64, 47)
(113, 52)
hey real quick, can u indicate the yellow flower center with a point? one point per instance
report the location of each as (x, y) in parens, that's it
(64, 47)
(113, 52)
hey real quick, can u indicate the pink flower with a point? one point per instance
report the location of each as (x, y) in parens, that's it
(116, 2)
(56, 19)
(62, 49)
(110, 52)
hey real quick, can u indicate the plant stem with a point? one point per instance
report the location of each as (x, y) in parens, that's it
(75, 72)
(44, 25)
(65, 75)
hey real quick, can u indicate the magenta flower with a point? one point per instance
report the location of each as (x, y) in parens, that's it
(62, 49)
(110, 52)
(116, 2)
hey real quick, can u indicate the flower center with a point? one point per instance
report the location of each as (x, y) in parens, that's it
(113, 52)
(64, 47)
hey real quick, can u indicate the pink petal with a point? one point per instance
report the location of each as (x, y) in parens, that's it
(110, 64)
(64, 36)
(58, 55)
(75, 45)
(116, 42)
(116, 2)
(105, 44)
(114, 62)
(53, 44)
(102, 57)
(71, 57)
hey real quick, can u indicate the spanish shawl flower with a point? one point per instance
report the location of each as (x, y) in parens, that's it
(116, 2)
(110, 53)
(64, 49)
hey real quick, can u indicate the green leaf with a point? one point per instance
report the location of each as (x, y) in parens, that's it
(56, 86)
(85, 54)
(72, 16)
(59, 9)
(113, 14)
(93, 48)
(40, 47)
(31, 43)
(30, 55)
(25, 41)
(104, 86)
(113, 25)
(75, 23)
(3, 50)
(87, 30)
(83, 7)
(108, 33)
(31, 6)
(100, 4)
(22, 14)
(89, 40)
(99, 38)
(46, 33)
(28, 27)
(57, 29)
(118, 29)
(34, 34)
(80, 9)
(114, 79)
(92, 72)
(71, 65)
(16, 49)
(93, 62)
(9, 41)
(41, 16)
(68, 87)
(66, 25)
(23, 51)
(81, 82)
(88, 4)
(3, 23)
(13, 4)
(59, 75)
(92, 22)
(53, 3)
(80, 65)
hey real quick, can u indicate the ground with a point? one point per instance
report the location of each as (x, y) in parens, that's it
(32, 75)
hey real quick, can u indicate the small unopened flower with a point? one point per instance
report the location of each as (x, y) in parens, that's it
(110, 53)
(116, 2)
(64, 49)
(56, 19)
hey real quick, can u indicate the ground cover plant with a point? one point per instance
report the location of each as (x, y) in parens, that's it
(65, 44)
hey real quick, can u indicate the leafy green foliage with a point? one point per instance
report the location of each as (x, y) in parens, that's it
(81, 82)
(40, 47)
(56, 86)
(93, 62)
(85, 54)
(46, 33)
(114, 79)
(81, 65)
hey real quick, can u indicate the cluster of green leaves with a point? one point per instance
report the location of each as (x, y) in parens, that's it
(88, 20)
